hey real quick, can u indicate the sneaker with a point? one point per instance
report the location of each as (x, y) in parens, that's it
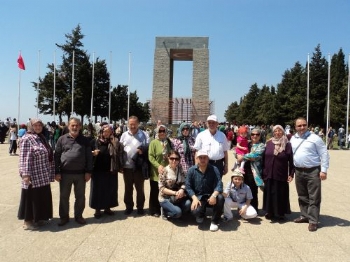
(199, 220)
(225, 219)
(213, 227)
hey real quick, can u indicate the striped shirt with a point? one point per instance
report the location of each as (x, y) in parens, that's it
(34, 161)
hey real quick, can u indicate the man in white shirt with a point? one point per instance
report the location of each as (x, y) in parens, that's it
(214, 142)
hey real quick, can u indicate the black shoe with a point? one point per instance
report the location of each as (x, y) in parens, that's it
(97, 214)
(63, 222)
(312, 227)
(128, 211)
(156, 214)
(301, 220)
(80, 220)
(140, 212)
(108, 212)
(268, 216)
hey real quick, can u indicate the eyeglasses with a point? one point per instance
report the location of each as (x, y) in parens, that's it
(174, 158)
(161, 131)
(301, 125)
(185, 128)
(255, 134)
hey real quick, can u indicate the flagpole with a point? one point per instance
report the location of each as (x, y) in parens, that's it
(308, 88)
(328, 92)
(73, 84)
(347, 107)
(21, 66)
(109, 89)
(54, 87)
(92, 85)
(129, 86)
(19, 99)
(38, 84)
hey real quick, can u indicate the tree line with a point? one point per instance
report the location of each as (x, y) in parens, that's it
(284, 103)
(83, 72)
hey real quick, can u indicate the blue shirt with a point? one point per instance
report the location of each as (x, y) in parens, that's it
(21, 132)
(309, 151)
(238, 194)
(200, 184)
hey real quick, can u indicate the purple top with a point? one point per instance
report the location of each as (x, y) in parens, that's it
(276, 167)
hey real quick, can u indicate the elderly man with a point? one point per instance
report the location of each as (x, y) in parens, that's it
(135, 143)
(204, 187)
(215, 143)
(311, 162)
(73, 163)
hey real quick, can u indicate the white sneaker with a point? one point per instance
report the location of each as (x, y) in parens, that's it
(214, 227)
(199, 220)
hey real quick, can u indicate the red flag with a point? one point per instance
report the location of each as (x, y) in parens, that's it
(21, 62)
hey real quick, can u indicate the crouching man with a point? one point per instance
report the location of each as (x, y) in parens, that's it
(204, 187)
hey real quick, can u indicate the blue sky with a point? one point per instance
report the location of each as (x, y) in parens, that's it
(249, 41)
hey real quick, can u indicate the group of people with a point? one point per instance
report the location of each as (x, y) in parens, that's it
(185, 173)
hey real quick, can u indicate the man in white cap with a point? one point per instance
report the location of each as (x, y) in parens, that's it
(214, 142)
(204, 187)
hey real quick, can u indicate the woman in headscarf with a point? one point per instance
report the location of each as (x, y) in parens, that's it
(183, 144)
(277, 174)
(253, 166)
(172, 189)
(107, 152)
(158, 157)
(37, 171)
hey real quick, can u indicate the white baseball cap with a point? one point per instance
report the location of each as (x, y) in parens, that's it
(212, 118)
(202, 153)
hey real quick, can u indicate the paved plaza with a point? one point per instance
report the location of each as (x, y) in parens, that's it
(145, 238)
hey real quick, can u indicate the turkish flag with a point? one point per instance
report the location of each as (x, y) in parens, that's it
(21, 62)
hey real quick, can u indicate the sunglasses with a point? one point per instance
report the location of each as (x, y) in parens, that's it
(301, 125)
(161, 131)
(185, 128)
(255, 134)
(174, 158)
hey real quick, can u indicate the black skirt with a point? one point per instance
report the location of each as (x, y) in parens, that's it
(36, 204)
(103, 190)
(276, 198)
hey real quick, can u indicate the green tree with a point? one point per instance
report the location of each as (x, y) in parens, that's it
(338, 90)
(82, 72)
(82, 82)
(248, 106)
(232, 113)
(101, 89)
(119, 107)
(318, 87)
(291, 95)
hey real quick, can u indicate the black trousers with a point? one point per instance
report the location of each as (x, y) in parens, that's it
(154, 206)
(217, 208)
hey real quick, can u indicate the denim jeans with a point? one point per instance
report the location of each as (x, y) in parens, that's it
(177, 209)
